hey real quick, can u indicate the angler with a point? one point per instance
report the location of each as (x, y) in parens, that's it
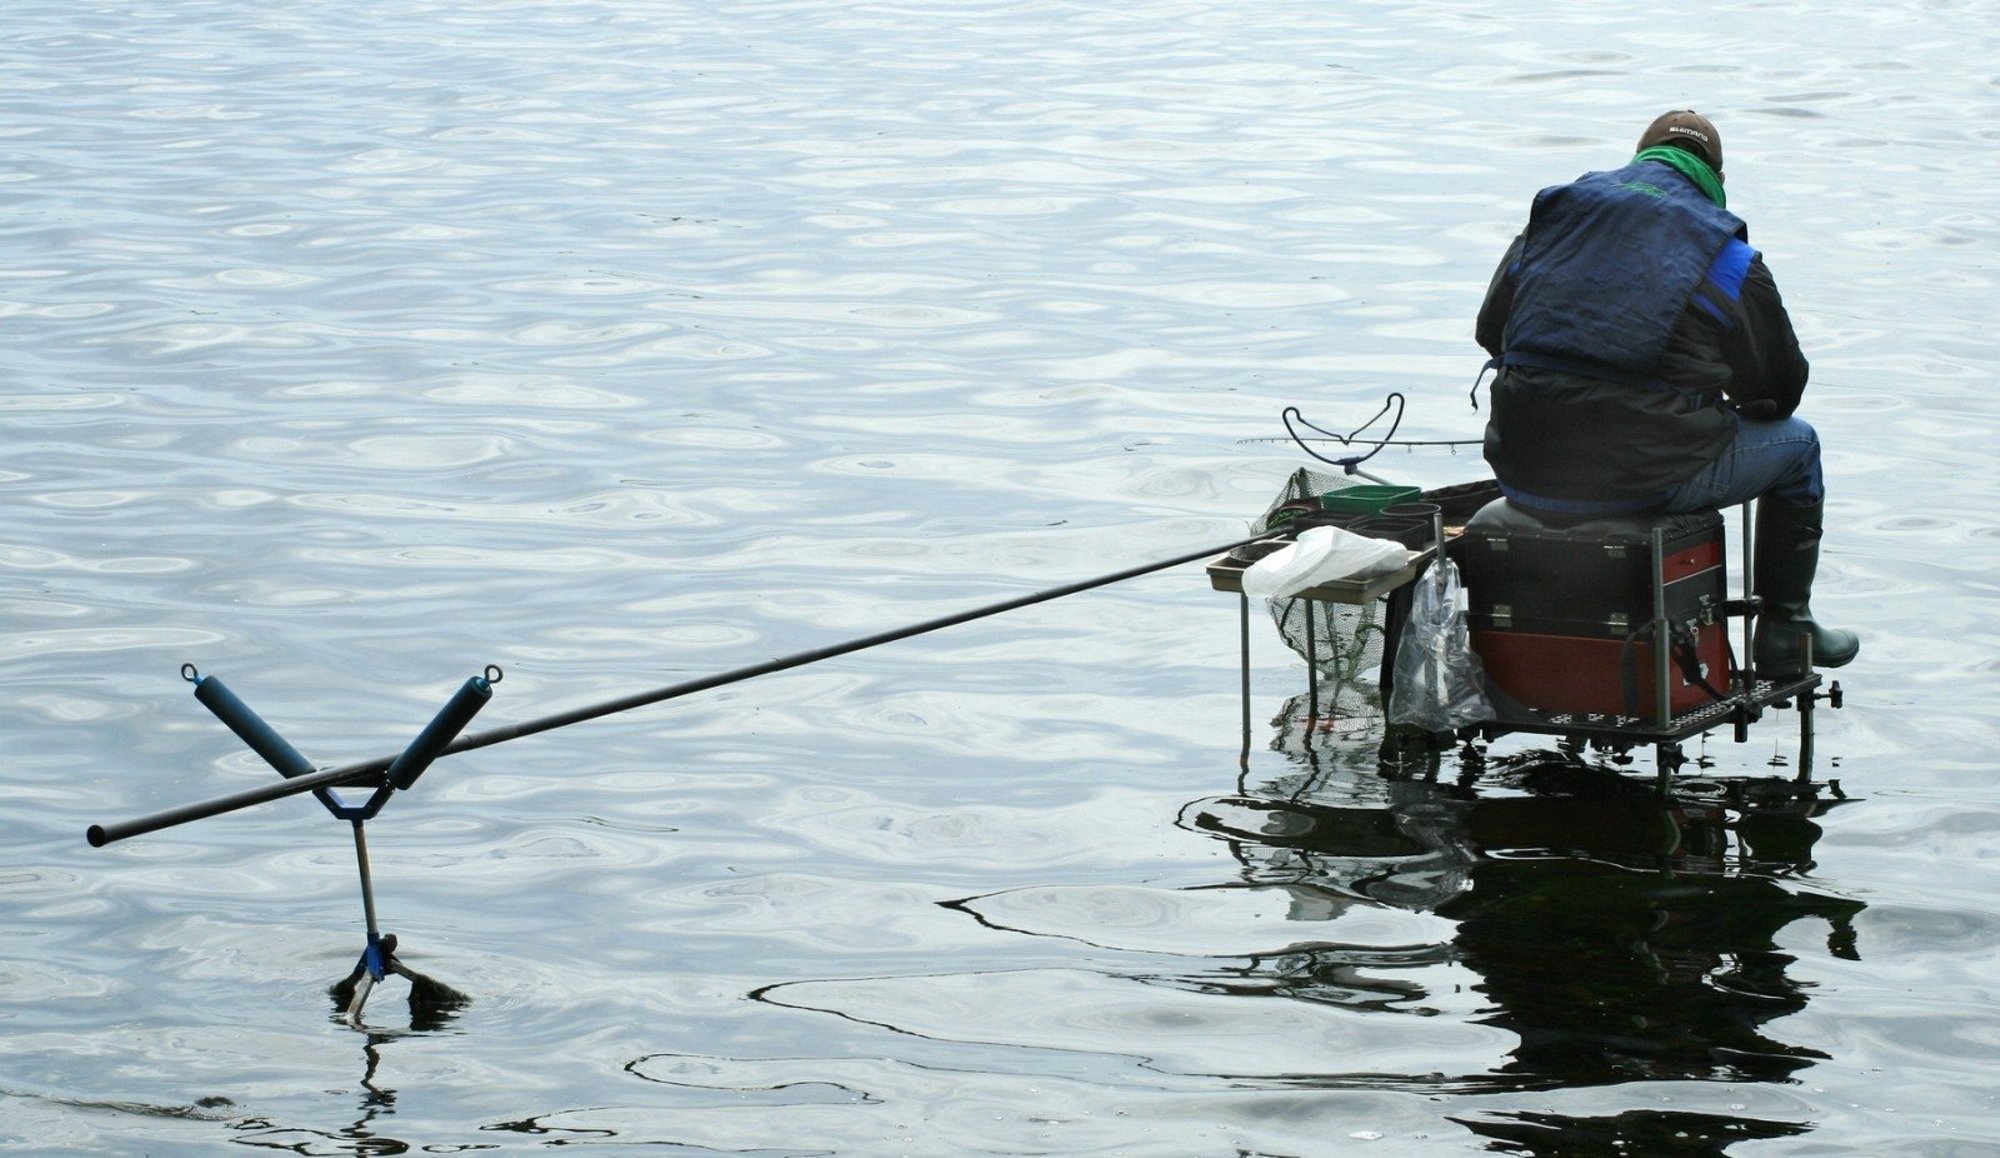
(1647, 364)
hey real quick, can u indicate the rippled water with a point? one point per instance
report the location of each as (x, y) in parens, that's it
(350, 348)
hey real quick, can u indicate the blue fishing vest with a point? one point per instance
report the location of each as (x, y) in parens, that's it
(1609, 263)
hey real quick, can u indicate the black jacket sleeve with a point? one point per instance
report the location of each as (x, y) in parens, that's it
(1492, 325)
(1767, 373)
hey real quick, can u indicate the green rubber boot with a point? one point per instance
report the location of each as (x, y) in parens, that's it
(1789, 643)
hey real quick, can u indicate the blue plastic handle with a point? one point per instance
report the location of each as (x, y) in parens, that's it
(250, 727)
(441, 731)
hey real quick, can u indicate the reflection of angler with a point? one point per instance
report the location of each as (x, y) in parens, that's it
(1616, 936)
(1653, 979)
(1608, 975)
(1572, 810)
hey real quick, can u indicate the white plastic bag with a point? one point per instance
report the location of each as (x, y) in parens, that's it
(1439, 683)
(1322, 555)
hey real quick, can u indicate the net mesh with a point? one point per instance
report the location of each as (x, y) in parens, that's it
(1348, 638)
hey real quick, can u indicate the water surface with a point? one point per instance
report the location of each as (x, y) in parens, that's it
(351, 348)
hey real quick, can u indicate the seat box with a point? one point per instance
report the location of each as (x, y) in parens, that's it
(1561, 614)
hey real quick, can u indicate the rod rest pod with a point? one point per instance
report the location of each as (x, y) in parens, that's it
(378, 957)
(402, 772)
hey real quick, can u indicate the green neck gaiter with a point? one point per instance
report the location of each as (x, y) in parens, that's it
(1697, 170)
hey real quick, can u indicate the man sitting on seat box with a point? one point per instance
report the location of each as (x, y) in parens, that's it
(1646, 364)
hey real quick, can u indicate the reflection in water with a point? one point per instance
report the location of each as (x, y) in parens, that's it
(701, 1081)
(359, 1138)
(1659, 1133)
(1616, 935)
(430, 1012)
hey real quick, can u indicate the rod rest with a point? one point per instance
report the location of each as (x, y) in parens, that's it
(401, 773)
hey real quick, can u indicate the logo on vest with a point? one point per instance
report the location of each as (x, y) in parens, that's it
(1644, 187)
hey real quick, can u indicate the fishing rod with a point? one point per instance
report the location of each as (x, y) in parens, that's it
(441, 738)
(446, 734)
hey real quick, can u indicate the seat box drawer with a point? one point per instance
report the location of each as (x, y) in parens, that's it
(1588, 675)
(1569, 586)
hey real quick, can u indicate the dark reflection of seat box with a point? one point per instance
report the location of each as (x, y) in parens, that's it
(1562, 614)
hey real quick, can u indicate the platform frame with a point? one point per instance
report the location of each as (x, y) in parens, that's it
(1746, 699)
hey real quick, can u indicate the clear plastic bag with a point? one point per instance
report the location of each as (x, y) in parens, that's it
(1321, 555)
(1439, 683)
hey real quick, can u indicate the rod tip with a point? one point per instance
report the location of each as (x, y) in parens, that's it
(96, 835)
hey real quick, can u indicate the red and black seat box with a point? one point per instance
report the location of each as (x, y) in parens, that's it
(1561, 612)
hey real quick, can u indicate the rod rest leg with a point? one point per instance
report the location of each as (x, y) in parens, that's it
(431, 1000)
(376, 962)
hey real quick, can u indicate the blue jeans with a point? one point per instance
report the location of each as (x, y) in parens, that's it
(1778, 460)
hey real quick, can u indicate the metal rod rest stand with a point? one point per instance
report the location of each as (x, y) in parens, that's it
(1243, 625)
(374, 960)
(378, 956)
